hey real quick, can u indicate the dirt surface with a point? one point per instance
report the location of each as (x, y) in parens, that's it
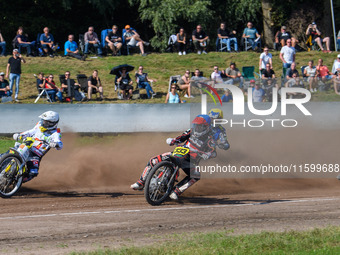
(81, 199)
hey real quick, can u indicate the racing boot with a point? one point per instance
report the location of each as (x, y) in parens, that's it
(139, 185)
(182, 186)
(32, 173)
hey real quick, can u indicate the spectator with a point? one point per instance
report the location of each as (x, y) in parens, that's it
(181, 42)
(265, 58)
(125, 84)
(216, 75)
(258, 93)
(268, 77)
(94, 86)
(287, 54)
(14, 63)
(22, 41)
(143, 82)
(315, 33)
(336, 83)
(292, 70)
(2, 46)
(312, 74)
(200, 40)
(234, 74)
(336, 65)
(47, 42)
(227, 96)
(71, 49)
(227, 37)
(91, 40)
(114, 40)
(282, 36)
(338, 40)
(133, 39)
(4, 86)
(323, 71)
(184, 84)
(172, 97)
(71, 88)
(52, 89)
(251, 35)
(295, 81)
(40, 80)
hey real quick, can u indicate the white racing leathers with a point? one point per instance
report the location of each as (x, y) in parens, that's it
(41, 145)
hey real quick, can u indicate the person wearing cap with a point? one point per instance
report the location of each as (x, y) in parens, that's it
(315, 33)
(133, 39)
(234, 75)
(258, 93)
(282, 36)
(4, 86)
(2, 46)
(13, 71)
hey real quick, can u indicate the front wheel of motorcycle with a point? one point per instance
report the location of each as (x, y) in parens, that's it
(10, 178)
(159, 183)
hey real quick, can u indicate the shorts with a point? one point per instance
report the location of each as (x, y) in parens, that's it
(132, 42)
(125, 87)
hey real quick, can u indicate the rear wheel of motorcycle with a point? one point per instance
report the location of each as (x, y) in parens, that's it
(10, 181)
(158, 185)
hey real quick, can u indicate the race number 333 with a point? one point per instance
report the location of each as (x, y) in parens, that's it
(180, 151)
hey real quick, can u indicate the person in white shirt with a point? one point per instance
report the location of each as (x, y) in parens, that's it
(287, 54)
(265, 58)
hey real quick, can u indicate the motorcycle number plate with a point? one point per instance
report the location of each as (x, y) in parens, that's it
(180, 151)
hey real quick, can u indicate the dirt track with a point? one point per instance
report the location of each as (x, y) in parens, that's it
(81, 199)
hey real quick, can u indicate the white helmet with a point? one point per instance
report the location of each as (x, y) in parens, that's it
(49, 120)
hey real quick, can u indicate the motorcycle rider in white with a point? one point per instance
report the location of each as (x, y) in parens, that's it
(45, 130)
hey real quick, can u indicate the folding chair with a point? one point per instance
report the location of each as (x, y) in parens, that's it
(82, 80)
(42, 92)
(222, 45)
(248, 74)
(171, 43)
(128, 47)
(174, 79)
(81, 43)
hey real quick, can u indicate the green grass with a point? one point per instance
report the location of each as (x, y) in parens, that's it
(158, 66)
(6, 143)
(317, 241)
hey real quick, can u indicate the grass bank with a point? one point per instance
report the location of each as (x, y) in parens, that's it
(158, 66)
(317, 241)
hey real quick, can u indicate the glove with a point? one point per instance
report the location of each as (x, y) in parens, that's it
(16, 137)
(205, 156)
(53, 144)
(169, 141)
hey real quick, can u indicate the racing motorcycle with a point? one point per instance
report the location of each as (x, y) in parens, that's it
(13, 164)
(160, 181)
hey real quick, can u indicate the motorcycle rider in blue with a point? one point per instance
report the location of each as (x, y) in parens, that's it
(219, 132)
(45, 130)
(202, 146)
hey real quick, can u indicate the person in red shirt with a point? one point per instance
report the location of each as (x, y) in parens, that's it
(324, 73)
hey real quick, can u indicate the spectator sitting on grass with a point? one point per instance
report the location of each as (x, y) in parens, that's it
(125, 84)
(172, 97)
(114, 40)
(216, 75)
(234, 75)
(258, 93)
(91, 40)
(71, 88)
(47, 42)
(292, 70)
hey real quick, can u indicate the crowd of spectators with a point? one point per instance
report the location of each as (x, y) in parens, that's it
(114, 40)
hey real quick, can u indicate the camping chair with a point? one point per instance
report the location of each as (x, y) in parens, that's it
(248, 73)
(38, 46)
(221, 45)
(247, 45)
(174, 79)
(82, 80)
(42, 92)
(103, 35)
(128, 47)
(69, 91)
(171, 43)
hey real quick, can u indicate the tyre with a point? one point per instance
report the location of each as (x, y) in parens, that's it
(10, 180)
(159, 183)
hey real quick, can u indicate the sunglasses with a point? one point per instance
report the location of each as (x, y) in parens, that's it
(51, 77)
(173, 87)
(67, 74)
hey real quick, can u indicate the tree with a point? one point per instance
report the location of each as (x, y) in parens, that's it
(167, 15)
